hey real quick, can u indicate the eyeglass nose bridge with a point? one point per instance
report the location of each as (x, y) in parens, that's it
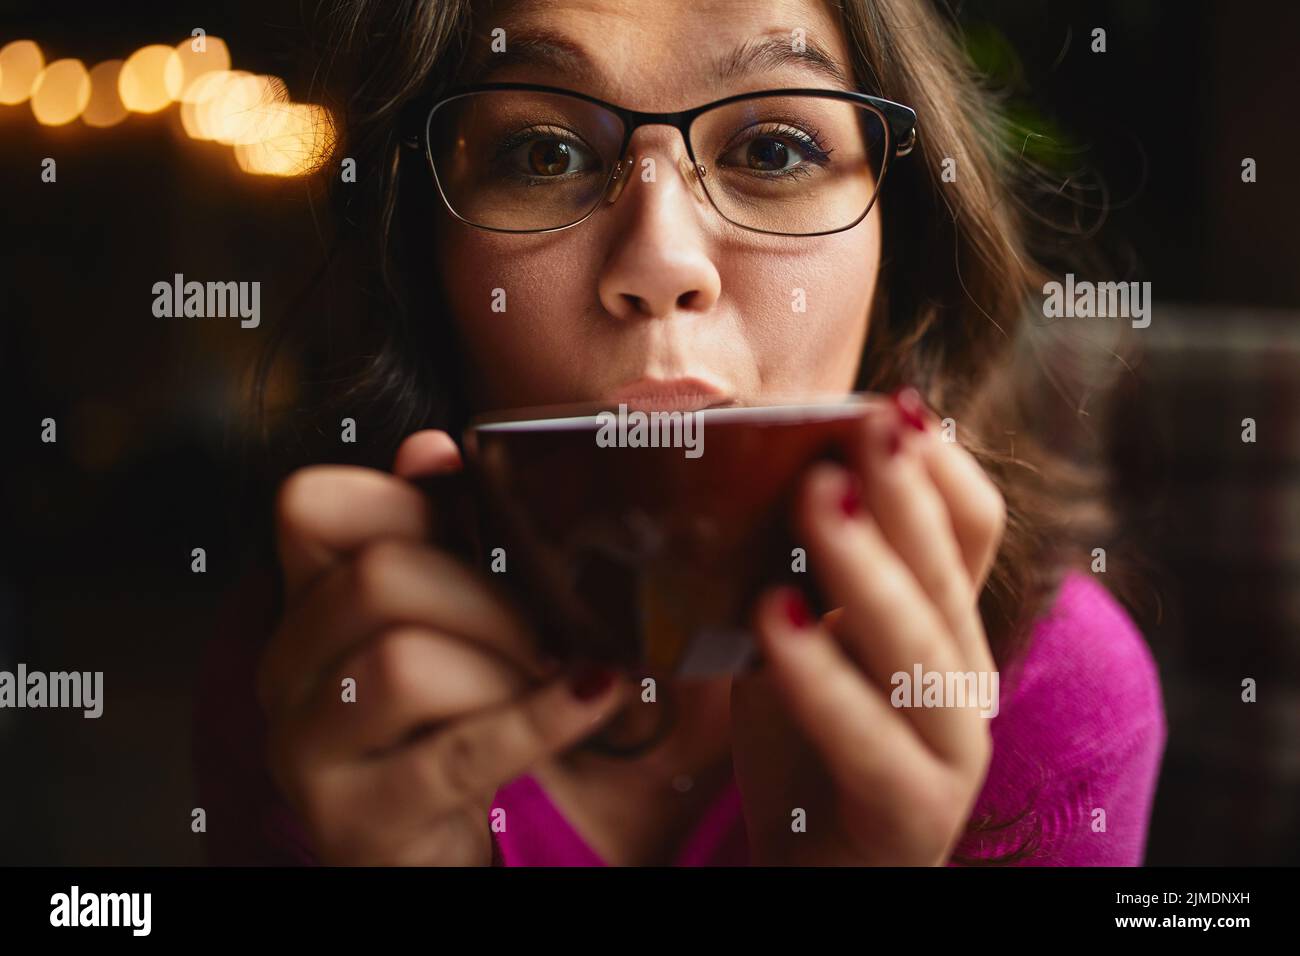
(623, 172)
(635, 122)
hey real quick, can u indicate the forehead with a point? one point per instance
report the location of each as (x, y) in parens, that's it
(664, 55)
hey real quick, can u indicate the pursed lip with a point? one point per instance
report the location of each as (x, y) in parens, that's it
(670, 395)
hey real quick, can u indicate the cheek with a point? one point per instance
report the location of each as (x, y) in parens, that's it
(816, 311)
(516, 310)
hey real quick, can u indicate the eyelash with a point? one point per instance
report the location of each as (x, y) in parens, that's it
(808, 140)
(515, 140)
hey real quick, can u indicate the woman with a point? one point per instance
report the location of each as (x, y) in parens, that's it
(535, 269)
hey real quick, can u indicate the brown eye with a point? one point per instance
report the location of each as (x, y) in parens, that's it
(539, 155)
(781, 150)
(548, 158)
(767, 154)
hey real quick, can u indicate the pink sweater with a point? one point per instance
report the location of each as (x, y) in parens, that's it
(1076, 750)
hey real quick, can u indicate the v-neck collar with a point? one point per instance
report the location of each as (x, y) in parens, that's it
(538, 834)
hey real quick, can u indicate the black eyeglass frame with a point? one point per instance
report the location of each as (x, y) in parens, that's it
(898, 122)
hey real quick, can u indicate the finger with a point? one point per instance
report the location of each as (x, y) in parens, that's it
(389, 583)
(404, 682)
(975, 504)
(861, 738)
(900, 496)
(426, 452)
(477, 754)
(325, 512)
(888, 624)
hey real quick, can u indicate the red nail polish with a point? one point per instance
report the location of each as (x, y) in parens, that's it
(851, 501)
(591, 681)
(796, 609)
(910, 406)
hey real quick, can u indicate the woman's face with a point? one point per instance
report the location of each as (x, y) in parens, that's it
(657, 299)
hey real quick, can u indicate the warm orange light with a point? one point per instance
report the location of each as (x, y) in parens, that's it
(296, 138)
(214, 55)
(20, 63)
(150, 79)
(214, 98)
(105, 107)
(196, 98)
(242, 108)
(60, 93)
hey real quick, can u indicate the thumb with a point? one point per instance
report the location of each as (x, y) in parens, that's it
(426, 452)
(430, 460)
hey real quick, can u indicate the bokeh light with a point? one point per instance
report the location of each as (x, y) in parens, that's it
(195, 98)
(60, 93)
(105, 107)
(242, 108)
(216, 95)
(253, 113)
(20, 63)
(214, 56)
(297, 137)
(150, 79)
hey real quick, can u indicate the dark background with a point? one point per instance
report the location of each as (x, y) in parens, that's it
(95, 568)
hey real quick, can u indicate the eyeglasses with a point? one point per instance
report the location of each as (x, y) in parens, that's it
(523, 158)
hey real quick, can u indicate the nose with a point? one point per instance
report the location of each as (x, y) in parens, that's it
(659, 262)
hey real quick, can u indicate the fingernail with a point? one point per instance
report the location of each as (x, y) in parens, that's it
(796, 609)
(851, 499)
(591, 681)
(910, 406)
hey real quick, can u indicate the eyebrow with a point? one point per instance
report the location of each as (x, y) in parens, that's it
(557, 53)
(773, 51)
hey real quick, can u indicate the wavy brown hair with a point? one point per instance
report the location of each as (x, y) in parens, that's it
(964, 264)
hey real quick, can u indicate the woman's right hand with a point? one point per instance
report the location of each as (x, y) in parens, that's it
(451, 700)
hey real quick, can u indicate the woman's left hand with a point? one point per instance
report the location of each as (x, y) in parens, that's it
(901, 545)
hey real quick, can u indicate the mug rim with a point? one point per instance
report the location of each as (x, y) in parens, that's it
(578, 416)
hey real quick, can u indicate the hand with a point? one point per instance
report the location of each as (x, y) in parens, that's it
(451, 699)
(901, 545)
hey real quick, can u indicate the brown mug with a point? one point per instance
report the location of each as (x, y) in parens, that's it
(639, 541)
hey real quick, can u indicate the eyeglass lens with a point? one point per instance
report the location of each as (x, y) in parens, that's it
(791, 164)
